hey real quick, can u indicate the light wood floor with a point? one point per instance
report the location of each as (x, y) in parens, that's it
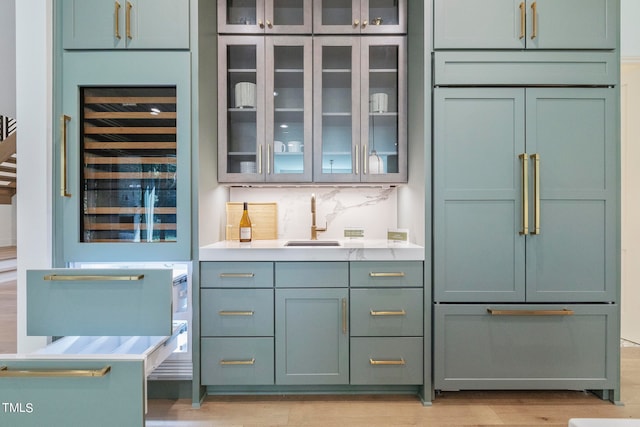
(448, 409)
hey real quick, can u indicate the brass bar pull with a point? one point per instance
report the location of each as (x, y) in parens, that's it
(563, 312)
(235, 313)
(523, 20)
(31, 373)
(344, 316)
(387, 313)
(387, 274)
(237, 275)
(63, 157)
(534, 12)
(269, 159)
(536, 194)
(260, 160)
(128, 20)
(365, 160)
(387, 362)
(92, 278)
(525, 194)
(117, 20)
(357, 159)
(238, 362)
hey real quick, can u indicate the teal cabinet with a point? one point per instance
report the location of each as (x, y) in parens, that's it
(125, 24)
(525, 211)
(530, 24)
(312, 336)
(122, 157)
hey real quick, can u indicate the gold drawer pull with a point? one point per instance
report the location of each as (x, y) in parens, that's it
(387, 313)
(387, 362)
(235, 313)
(237, 275)
(5, 372)
(117, 20)
(90, 278)
(563, 312)
(63, 154)
(390, 274)
(238, 362)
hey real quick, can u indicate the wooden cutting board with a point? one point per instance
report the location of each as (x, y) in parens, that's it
(264, 220)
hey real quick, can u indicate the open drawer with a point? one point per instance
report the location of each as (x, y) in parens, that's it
(89, 379)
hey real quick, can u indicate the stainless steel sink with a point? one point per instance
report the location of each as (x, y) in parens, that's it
(312, 243)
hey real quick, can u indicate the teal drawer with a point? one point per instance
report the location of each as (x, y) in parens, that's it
(525, 346)
(319, 274)
(237, 361)
(386, 274)
(387, 312)
(236, 312)
(236, 274)
(114, 397)
(386, 361)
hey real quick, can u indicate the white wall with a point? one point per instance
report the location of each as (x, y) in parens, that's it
(629, 29)
(7, 64)
(8, 224)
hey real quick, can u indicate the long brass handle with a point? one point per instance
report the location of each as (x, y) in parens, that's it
(63, 157)
(117, 20)
(387, 362)
(525, 194)
(260, 160)
(534, 13)
(235, 313)
(238, 362)
(344, 316)
(365, 162)
(269, 159)
(536, 194)
(6, 372)
(387, 313)
(128, 20)
(387, 274)
(237, 275)
(91, 278)
(523, 20)
(563, 312)
(357, 159)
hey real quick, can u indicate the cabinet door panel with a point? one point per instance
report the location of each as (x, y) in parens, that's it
(473, 24)
(573, 257)
(478, 252)
(312, 337)
(158, 24)
(573, 24)
(93, 24)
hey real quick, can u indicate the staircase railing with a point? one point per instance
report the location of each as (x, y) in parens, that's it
(8, 159)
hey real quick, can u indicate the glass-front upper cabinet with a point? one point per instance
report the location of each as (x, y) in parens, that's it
(124, 157)
(265, 109)
(264, 16)
(360, 16)
(360, 127)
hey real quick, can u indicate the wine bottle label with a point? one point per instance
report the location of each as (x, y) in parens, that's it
(245, 233)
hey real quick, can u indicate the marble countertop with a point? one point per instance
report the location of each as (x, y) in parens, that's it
(275, 250)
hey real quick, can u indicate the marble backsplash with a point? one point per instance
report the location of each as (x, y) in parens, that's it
(372, 208)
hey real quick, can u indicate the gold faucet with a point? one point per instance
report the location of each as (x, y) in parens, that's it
(314, 228)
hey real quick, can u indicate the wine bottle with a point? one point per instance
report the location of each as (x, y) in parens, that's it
(245, 225)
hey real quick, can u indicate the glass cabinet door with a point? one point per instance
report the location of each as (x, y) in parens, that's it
(129, 175)
(288, 16)
(383, 16)
(264, 16)
(241, 109)
(288, 134)
(336, 109)
(383, 131)
(360, 16)
(241, 16)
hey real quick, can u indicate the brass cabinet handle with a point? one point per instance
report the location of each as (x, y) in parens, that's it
(237, 275)
(92, 278)
(128, 20)
(525, 194)
(63, 157)
(269, 24)
(260, 23)
(344, 316)
(117, 20)
(563, 312)
(235, 313)
(356, 22)
(536, 193)
(365, 23)
(387, 274)
(238, 362)
(387, 313)
(534, 12)
(260, 160)
(523, 20)
(6, 372)
(387, 362)
(269, 159)
(357, 159)
(365, 161)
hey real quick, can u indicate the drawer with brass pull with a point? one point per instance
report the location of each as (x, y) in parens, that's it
(236, 312)
(237, 361)
(389, 361)
(386, 312)
(386, 274)
(236, 274)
